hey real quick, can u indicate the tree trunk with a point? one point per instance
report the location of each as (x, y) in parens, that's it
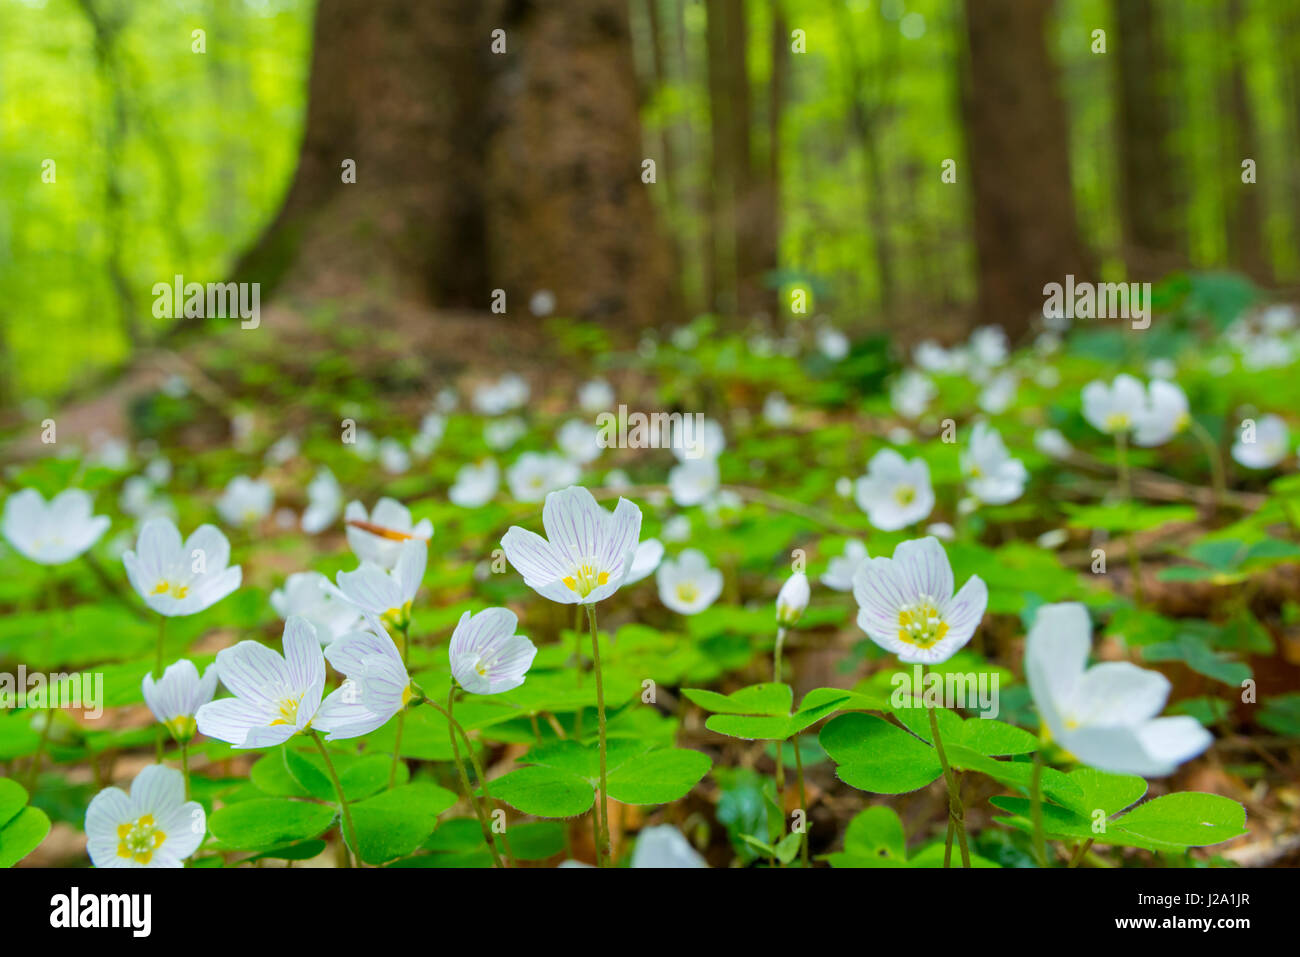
(1026, 234)
(1245, 207)
(1152, 201)
(475, 170)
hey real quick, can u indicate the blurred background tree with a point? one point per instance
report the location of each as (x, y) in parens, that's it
(794, 141)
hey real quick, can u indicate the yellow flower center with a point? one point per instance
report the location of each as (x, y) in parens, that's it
(169, 588)
(1117, 421)
(904, 495)
(182, 727)
(288, 711)
(687, 593)
(585, 579)
(138, 839)
(920, 624)
(398, 618)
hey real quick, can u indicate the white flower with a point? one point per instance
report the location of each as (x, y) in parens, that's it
(992, 475)
(988, 346)
(432, 427)
(158, 471)
(664, 846)
(110, 452)
(596, 396)
(305, 594)
(139, 501)
(792, 599)
(281, 451)
(1114, 408)
(446, 400)
(942, 530)
(839, 573)
(895, 493)
(382, 594)
(154, 827)
(175, 578)
(365, 445)
(616, 480)
(777, 411)
(1052, 443)
(378, 537)
(907, 606)
(275, 697)
(324, 500)
(645, 560)
(579, 441)
(376, 688)
(688, 585)
(393, 457)
(999, 393)
(932, 357)
(534, 474)
(1164, 416)
(1104, 716)
(501, 434)
(178, 694)
(542, 303)
(53, 533)
(1268, 445)
(245, 501)
(487, 657)
(694, 439)
(912, 394)
(587, 552)
(677, 529)
(693, 481)
(832, 343)
(475, 484)
(507, 393)
(844, 486)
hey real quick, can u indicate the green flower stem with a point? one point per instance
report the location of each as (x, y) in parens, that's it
(956, 813)
(947, 845)
(1215, 455)
(34, 774)
(603, 848)
(481, 775)
(577, 665)
(803, 802)
(1036, 796)
(1081, 852)
(464, 778)
(776, 656)
(185, 766)
(158, 661)
(343, 801)
(1126, 491)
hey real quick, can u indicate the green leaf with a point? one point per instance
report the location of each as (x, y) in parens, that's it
(302, 851)
(534, 840)
(268, 822)
(22, 835)
(544, 791)
(873, 755)
(396, 822)
(13, 798)
(1189, 818)
(760, 699)
(658, 777)
(876, 832)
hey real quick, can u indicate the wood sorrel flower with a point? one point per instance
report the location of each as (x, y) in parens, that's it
(1267, 446)
(378, 537)
(275, 697)
(895, 493)
(992, 475)
(175, 578)
(152, 827)
(487, 657)
(385, 595)
(1104, 716)
(688, 585)
(792, 600)
(587, 552)
(907, 606)
(1164, 415)
(176, 697)
(645, 560)
(55, 532)
(245, 501)
(841, 568)
(306, 594)
(377, 685)
(1114, 408)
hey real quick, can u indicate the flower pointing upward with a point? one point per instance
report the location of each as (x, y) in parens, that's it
(587, 552)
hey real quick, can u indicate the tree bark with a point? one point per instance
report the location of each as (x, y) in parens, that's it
(1026, 234)
(475, 170)
(1245, 207)
(1151, 193)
